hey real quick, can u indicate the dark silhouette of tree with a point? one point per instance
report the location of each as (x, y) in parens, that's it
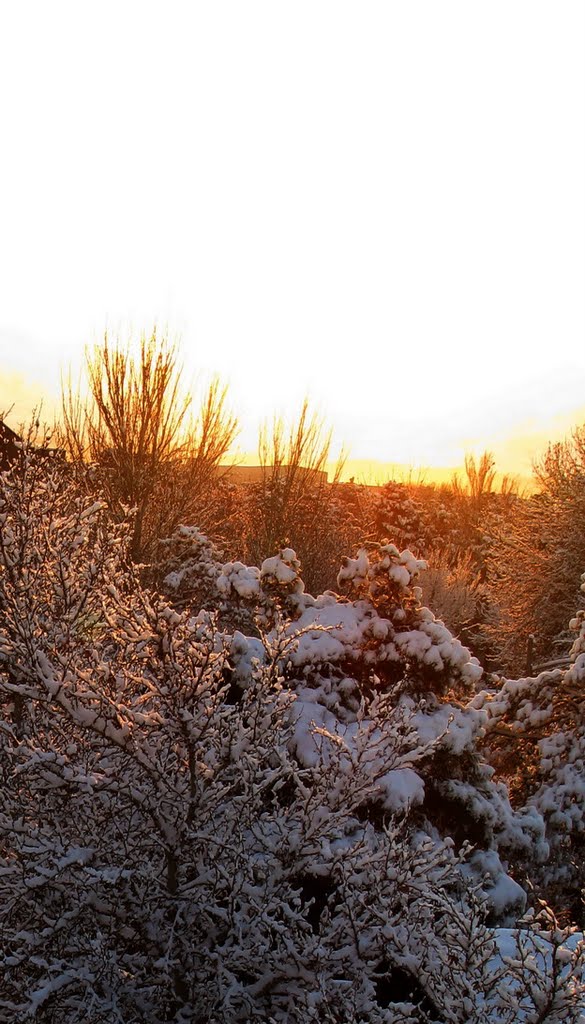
(295, 503)
(135, 424)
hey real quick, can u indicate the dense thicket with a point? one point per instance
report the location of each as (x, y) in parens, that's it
(225, 799)
(203, 824)
(536, 558)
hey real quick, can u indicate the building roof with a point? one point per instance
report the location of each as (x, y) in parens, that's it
(255, 474)
(8, 445)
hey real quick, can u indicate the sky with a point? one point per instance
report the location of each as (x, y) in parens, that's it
(379, 205)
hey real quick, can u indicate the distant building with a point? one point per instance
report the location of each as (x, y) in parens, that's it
(8, 446)
(255, 474)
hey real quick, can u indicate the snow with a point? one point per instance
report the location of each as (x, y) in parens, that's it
(402, 789)
(283, 568)
(241, 580)
(252, 815)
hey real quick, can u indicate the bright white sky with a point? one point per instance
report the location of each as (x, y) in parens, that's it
(380, 204)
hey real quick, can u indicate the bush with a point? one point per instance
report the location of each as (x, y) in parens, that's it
(134, 426)
(202, 826)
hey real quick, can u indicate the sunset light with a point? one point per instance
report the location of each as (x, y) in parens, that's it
(292, 512)
(383, 210)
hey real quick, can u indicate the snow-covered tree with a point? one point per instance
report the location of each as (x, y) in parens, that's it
(536, 734)
(377, 660)
(400, 515)
(201, 826)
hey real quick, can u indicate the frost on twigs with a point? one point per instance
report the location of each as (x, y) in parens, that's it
(375, 678)
(198, 825)
(543, 717)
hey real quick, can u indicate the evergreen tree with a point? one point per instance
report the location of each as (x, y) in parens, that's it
(200, 826)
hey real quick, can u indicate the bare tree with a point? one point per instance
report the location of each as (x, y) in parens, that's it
(536, 557)
(295, 502)
(479, 478)
(192, 492)
(135, 423)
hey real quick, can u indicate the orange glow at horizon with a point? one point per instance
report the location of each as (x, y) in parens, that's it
(407, 253)
(514, 449)
(514, 455)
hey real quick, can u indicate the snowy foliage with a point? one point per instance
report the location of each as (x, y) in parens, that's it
(201, 826)
(191, 565)
(545, 718)
(386, 678)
